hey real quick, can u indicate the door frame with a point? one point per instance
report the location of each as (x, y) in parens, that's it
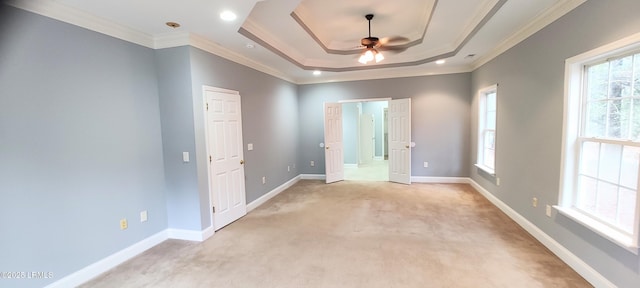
(206, 88)
(385, 122)
(358, 119)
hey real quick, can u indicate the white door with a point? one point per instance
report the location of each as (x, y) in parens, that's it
(333, 157)
(366, 138)
(226, 164)
(400, 141)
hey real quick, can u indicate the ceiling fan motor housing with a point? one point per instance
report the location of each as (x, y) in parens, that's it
(369, 41)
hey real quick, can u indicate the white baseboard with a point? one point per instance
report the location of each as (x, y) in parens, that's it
(350, 165)
(190, 235)
(416, 179)
(264, 198)
(87, 273)
(312, 177)
(424, 179)
(591, 275)
(378, 158)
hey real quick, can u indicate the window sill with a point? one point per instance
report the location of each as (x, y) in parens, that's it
(603, 230)
(486, 169)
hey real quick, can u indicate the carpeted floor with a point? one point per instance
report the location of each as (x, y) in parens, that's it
(356, 234)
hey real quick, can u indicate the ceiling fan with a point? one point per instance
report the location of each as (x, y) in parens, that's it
(371, 43)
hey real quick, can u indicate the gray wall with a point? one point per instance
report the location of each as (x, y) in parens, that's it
(441, 107)
(80, 146)
(269, 121)
(176, 110)
(529, 135)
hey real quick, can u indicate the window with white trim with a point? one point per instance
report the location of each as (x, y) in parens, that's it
(487, 128)
(601, 151)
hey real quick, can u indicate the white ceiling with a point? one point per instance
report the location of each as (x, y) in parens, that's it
(292, 38)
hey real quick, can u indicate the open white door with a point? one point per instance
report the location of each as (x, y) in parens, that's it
(224, 144)
(333, 157)
(400, 141)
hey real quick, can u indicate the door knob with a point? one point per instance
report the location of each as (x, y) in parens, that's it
(406, 146)
(327, 148)
(241, 162)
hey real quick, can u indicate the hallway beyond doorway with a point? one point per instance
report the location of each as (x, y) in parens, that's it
(378, 170)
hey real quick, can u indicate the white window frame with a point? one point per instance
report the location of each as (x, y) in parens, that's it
(574, 81)
(482, 128)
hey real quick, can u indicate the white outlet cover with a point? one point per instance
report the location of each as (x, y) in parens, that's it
(250, 146)
(143, 216)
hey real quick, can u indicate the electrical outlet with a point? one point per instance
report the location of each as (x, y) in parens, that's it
(143, 216)
(123, 224)
(534, 202)
(548, 212)
(312, 163)
(497, 181)
(264, 179)
(426, 164)
(288, 168)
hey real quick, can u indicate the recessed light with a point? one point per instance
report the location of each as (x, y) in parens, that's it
(317, 72)
(440, 62)
(228, 16)
(172, 24)
(250, 46)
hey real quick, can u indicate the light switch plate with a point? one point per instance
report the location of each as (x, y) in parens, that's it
(250, 146)
(143, 216)
(185, 157)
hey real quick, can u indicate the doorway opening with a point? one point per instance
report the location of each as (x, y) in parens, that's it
(364, 134)
(399, 140)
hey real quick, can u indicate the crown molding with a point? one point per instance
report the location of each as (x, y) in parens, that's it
(170, 40)
(55, 10)
(206, 45)
(481, 17)
(82, 19)
(387, 74)
(542, 20)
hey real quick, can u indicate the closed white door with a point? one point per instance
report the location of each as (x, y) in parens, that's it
(226, 162)
(400, 141)
(366, 138)
(333, 153)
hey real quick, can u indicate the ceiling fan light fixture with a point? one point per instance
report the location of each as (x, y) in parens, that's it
(362, 59)
(379, 57)
(370, 54)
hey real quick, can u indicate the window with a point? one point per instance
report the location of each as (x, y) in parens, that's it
(601, 150)
(487, 129)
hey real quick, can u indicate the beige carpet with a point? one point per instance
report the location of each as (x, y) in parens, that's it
(356, 234)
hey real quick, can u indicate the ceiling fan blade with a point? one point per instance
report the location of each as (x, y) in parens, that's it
(393, 49)
(394, 40)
